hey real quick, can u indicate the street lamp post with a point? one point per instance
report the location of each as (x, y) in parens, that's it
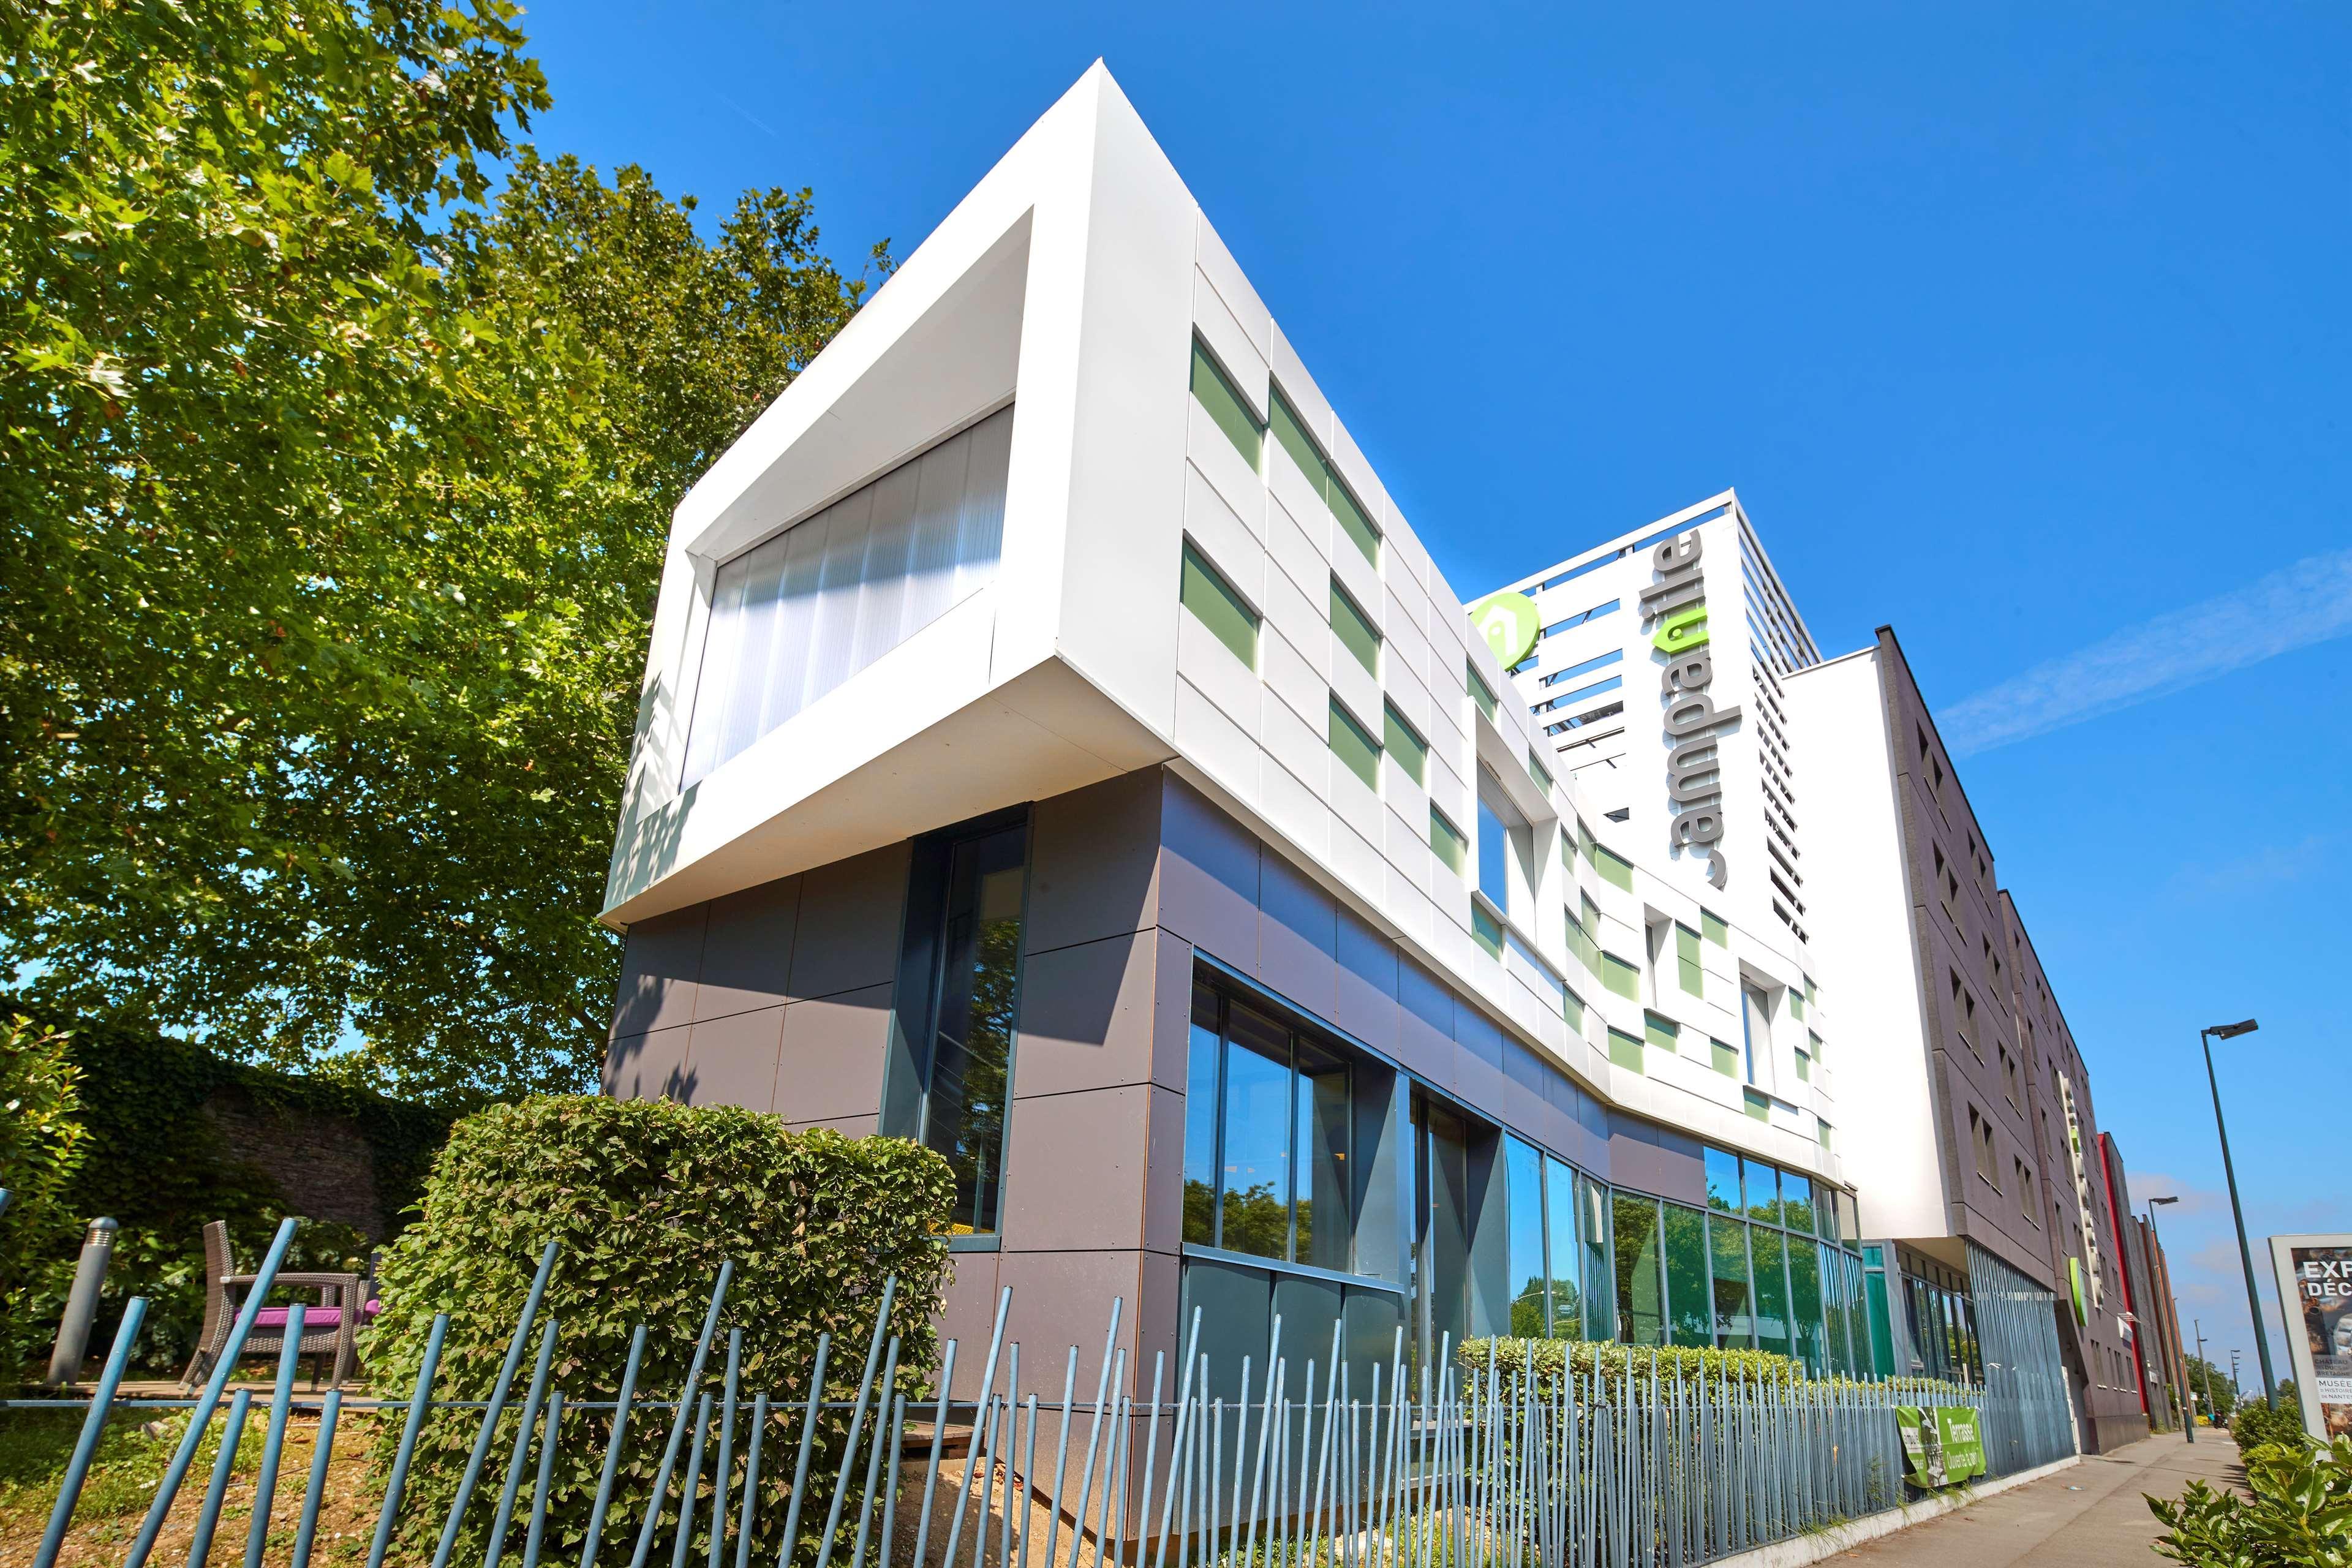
(2245, 1252)
(2189, 1420)
(2200, 1355)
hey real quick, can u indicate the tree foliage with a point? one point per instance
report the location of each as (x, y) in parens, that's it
(2217, 1395)
(41, 1145)
(335, 492)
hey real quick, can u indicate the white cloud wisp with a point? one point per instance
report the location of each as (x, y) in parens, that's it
(2295, 607)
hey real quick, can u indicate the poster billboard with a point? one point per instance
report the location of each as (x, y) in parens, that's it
(1942, 1444)
(2314, 1284)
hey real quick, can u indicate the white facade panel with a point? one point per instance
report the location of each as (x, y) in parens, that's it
(1862, 915)
(1071, 285)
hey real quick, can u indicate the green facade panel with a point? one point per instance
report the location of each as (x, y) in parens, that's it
(1215, 605)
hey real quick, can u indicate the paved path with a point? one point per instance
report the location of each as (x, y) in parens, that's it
(2090, 1515)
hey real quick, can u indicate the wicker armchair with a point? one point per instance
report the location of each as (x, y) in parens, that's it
(330, 1326)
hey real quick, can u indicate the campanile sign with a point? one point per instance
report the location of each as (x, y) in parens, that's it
(1675, 605)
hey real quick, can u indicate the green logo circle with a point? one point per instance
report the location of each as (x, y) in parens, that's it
(1508, 622)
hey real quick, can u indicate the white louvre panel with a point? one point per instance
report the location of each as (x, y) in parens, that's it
(798, 615)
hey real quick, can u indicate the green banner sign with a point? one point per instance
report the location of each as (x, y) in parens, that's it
(1941, 1443)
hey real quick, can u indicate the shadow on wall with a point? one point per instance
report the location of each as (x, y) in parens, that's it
(652, 846)
(629, 1074)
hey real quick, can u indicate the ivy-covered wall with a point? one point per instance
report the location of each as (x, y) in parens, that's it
(177, 1136)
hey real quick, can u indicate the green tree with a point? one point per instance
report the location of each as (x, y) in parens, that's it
(2216, 1394)
(335, 499)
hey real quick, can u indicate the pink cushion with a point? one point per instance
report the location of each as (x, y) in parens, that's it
(315, 1319)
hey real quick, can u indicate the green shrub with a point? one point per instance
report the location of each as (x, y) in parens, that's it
(2254, 1424)
(2300, 1512)
(1684, 1363)
(647, 1198)
(41, 1144)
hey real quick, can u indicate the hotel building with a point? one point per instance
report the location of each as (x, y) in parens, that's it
(1989, 1216)
(1057, 746)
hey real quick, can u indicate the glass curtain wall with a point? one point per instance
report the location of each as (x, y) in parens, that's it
(1765, 1264)
(1941, 1319)
(1524, 1203)
(1562, 1251)
(1266, 1174)
(1690, 1309)
(1640, 1278)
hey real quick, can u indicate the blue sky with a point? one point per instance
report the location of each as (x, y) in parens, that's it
(2022, 329)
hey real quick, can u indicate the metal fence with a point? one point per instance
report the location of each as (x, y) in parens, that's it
(1434, 1464)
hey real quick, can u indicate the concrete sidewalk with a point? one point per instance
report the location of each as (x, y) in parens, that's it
(2090, 1515)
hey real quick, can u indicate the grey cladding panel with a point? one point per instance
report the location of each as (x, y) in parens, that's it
(1208, 877)
(1093, 857)
(747, 951)
(849, 923)
(659, 968)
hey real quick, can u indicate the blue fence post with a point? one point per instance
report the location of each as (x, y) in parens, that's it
(208, 1517)
(613, 1448)
(531, 1405)
(546, 1478)
(281, 1402)
(496, 1408)
(751, 1481)
(307, 1531)
(77, 1469)
(678, 1424)
(726, 1446)
(419, 1403)
(168, 1488)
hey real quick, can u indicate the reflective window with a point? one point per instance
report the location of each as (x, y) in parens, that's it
(1772, 1290)
(1524, 1202)
(1797, 1201)
(1723, 1182)
(1641, 1302)
(1805, 1301)
(1321, 1093)
(1201, 1131)
(1269, 1116)
(1756, 1035)
(972, 1043)
(1735, 1324)
(1592, 1228)
(1257, 1137)
(1559, 1213)
(1838, 1351)
(1446, 1228)
(1494, 854)
(1690, 1312)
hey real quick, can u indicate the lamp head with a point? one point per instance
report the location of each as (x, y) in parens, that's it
(2152, 1203)
(2232, 1031)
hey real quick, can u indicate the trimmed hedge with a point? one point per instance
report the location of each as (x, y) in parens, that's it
(647, 1198)
(1685, 1363)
